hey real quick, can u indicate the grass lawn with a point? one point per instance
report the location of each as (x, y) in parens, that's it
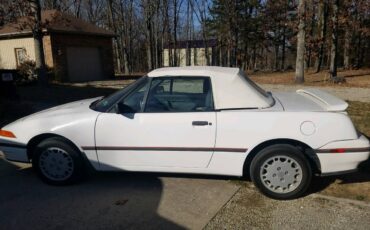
(360, 115)
(354, 78)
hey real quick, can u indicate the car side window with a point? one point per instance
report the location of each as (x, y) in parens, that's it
(180, 94)
(134, 101)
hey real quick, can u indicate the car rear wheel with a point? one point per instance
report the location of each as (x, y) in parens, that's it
(281, 172)
(57, 162)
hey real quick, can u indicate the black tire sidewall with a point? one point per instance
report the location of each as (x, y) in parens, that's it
(281, 150)
(59, 143)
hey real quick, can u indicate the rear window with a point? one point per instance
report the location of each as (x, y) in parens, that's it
(188, 86)
(254, 85)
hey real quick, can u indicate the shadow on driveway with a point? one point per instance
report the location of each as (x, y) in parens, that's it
(356, 183)
(106, 200)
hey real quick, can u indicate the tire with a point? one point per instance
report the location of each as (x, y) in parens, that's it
(57, 162)
(281, 172)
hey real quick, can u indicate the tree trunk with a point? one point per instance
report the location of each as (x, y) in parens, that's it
(220, 56)
(235, 49)
(309, 46)
(276, 68)
(130, 25)
(282, 67)
(155, 38)
(39, 47)
(175, 61)
(245, 57)
(188, 36)
(254, 57)
(117, 41)
(204, 31)
(228, 61)
(125, 58)
(124, 52)
(334, 37)
(148, 33)
(358, 51)
(299, 69)
(346, 53)
(322, 15)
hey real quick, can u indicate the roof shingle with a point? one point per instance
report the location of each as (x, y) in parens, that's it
(53, 21)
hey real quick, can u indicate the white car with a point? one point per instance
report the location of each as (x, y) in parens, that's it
(205, 120)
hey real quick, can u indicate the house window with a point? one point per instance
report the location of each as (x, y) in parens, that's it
(20, 55)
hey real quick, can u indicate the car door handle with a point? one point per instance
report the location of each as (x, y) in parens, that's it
(200, 123)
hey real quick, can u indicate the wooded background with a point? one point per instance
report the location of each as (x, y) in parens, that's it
(251, 34)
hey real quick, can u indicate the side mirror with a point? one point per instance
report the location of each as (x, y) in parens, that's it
(123, 108)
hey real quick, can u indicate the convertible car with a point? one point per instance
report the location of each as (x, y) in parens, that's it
(204, 120)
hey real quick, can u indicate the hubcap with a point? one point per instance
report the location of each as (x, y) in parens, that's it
(56, 164)
(281, 174)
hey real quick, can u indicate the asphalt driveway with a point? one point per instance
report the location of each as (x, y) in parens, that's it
(109, 201)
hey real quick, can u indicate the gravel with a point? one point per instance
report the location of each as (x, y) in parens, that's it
(346, 93)
(248, 209)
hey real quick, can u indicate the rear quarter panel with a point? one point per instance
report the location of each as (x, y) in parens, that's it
(246, 129)
(249, 128)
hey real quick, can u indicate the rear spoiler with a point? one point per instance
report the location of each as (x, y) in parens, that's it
(326, 100)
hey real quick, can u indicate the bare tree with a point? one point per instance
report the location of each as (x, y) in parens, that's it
(347, 47)
(334, 38)
(39, 48)
(201, 14)
(322, 18)
(77, 8)
(176, 11)
(125, 21)
(93, 10)
(148, 15)
(299, 69)
(166, 30)
(117, 43)
(347, 18)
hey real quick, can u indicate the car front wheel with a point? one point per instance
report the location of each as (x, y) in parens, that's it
(281, 172)
(57, 162)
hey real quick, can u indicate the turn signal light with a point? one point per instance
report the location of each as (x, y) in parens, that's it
(4, 133)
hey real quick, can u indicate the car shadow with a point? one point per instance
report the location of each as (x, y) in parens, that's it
(319, 183)
(104, 201)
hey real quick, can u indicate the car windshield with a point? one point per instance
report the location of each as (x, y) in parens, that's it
(105, 103)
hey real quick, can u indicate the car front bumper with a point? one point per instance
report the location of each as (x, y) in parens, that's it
(14, 151)
(343, 156)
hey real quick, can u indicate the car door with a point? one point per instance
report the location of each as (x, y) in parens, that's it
(171, 126)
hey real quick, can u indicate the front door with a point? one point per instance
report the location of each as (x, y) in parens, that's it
(173, 125)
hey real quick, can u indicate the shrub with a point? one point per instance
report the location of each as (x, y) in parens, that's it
(26, 72)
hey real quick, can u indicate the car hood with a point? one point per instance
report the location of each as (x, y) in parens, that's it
(62, 110)
(66, 120)
(310, 100)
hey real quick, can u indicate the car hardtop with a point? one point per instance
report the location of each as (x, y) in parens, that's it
(232, 89)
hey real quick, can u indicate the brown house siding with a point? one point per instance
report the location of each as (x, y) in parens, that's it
(60, 43)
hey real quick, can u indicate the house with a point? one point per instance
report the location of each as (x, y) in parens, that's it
(190, 52)
(74, 49)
